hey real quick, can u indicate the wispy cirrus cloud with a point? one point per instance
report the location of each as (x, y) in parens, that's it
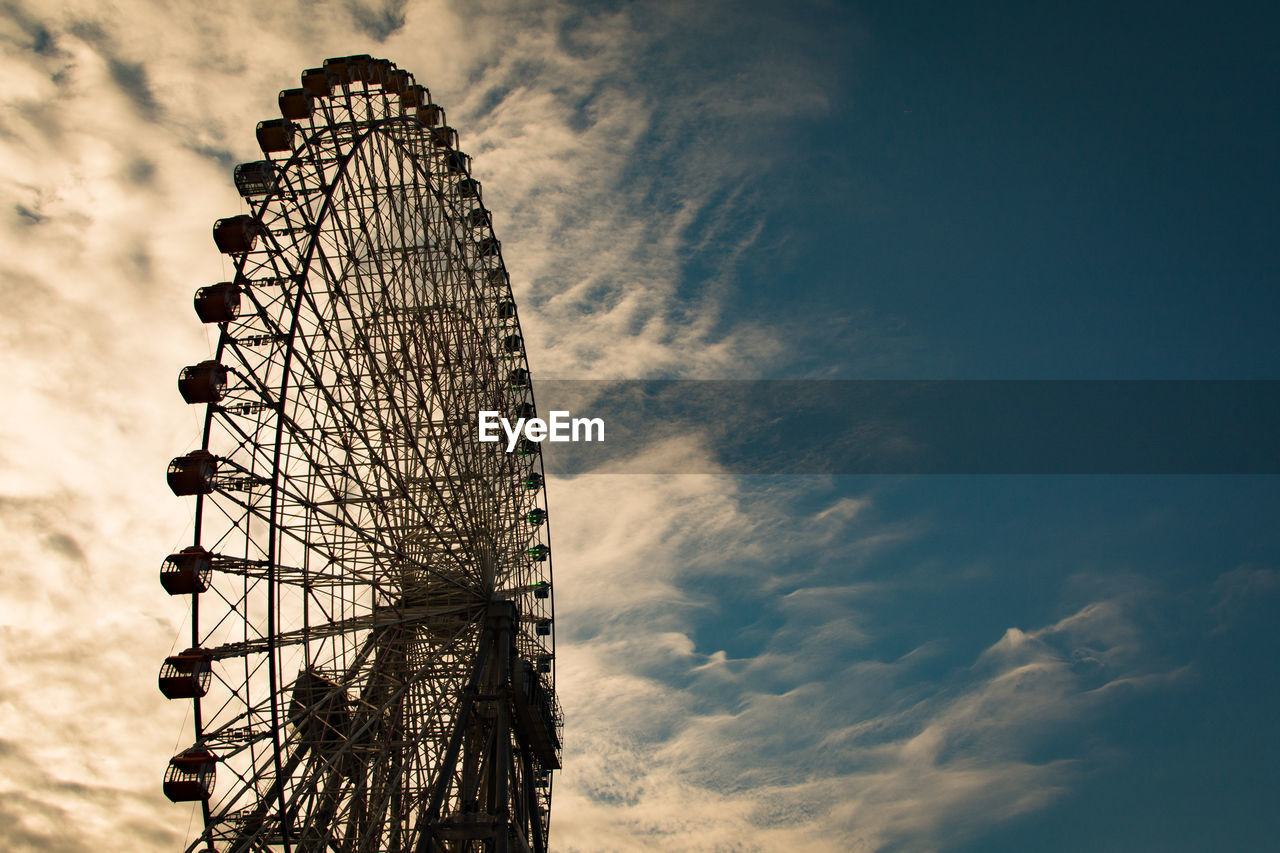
(715, 637)
(1244, 590)
(610, 165)
(802, 735)
(119, 129)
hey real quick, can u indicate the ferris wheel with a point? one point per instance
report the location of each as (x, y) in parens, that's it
(372, 650)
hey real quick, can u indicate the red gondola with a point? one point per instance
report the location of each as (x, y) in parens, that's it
(190, 776)
(186, 572)
(193, 474)
(185, 675)
(205, 382)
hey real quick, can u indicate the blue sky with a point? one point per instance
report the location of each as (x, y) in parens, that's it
(1066, 191)
(1047, 191)
(711, 191)
(1186, 766)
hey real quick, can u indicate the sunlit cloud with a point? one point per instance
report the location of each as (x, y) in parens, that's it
(614, 153)
(675, 745)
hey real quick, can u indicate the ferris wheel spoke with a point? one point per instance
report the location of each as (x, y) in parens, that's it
(387, 617)
(316, 509)
(372, 626)
(383, 380)
(308, 766)
(361, 341)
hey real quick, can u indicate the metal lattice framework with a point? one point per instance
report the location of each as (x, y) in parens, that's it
(372, 657)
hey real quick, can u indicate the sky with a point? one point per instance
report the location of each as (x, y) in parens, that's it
(811, 191)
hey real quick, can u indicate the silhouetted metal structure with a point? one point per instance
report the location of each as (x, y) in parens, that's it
(372, 654)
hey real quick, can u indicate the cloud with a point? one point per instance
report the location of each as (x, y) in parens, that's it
(119, 127)
(611, 163)
(380, 20)
(79, 655)
(673, 746)
(715, 654)
(1239, 593)
(40, 812)
(740, 701)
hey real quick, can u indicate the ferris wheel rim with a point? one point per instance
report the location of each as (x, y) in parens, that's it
(277, 489)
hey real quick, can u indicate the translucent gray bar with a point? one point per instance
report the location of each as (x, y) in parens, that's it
(920, 427)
